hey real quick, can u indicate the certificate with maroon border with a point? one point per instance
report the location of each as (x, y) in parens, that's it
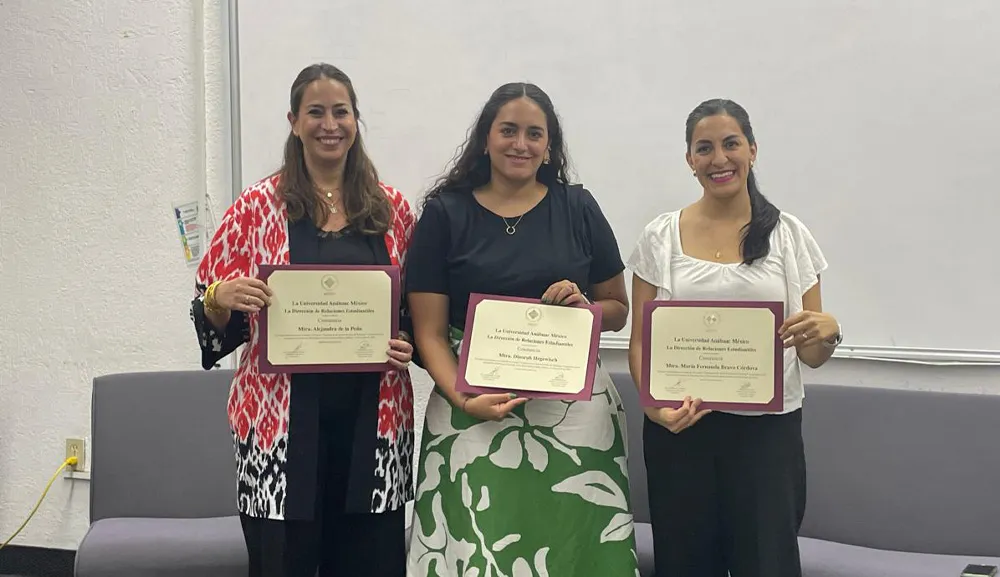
(328, 318)
(726, 353)
(519, 345)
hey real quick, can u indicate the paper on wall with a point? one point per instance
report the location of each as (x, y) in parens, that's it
(191, 229)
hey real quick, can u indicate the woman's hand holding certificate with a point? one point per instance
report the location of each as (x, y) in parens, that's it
(327, 318)
(400, 353)
(807, 328)
(563, 293)
(676, 420)
(243, 294)
(492, 407)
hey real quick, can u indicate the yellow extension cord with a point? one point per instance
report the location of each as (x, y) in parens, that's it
(67, 463)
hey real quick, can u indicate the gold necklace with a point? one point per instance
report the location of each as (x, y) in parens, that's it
(330, 203)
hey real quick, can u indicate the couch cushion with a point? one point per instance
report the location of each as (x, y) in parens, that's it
(829, 559)
(902, 470)
(141, 547)
(137, 426)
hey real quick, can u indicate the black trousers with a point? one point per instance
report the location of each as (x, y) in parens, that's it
(334, 543)
(727, 495)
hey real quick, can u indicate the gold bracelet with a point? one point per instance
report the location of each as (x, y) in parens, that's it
(211, 305)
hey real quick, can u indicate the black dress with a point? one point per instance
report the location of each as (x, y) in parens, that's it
(331, 417)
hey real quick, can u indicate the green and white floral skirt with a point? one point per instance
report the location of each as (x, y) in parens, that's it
(543, 493)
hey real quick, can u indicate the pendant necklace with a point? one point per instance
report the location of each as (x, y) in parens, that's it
(332, 204)
(512, 228)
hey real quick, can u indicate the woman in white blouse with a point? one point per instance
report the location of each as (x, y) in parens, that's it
(727, 489)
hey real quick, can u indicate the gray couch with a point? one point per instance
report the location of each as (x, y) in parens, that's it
(900, 483)
(163, 486)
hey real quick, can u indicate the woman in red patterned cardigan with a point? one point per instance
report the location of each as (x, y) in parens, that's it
(324, 461)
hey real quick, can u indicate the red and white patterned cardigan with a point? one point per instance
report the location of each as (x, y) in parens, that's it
(254, 231)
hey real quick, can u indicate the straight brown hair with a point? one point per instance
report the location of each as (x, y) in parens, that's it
(365, 203)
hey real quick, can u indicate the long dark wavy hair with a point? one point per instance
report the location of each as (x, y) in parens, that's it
(756, 241)
(365, 203)
(471, 168)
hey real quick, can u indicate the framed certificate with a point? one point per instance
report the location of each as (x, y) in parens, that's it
(727, 353)
(328, 318)
(523, 346)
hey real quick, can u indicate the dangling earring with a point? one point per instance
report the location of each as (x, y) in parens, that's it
(694, 173)
(546, 160)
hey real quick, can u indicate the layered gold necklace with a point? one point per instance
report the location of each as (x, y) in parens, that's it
(328, 198)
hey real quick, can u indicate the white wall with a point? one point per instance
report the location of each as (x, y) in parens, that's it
(111, 112)
(101, 129)
(813, 68)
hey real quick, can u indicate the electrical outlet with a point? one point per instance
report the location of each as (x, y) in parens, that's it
(77, 448)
